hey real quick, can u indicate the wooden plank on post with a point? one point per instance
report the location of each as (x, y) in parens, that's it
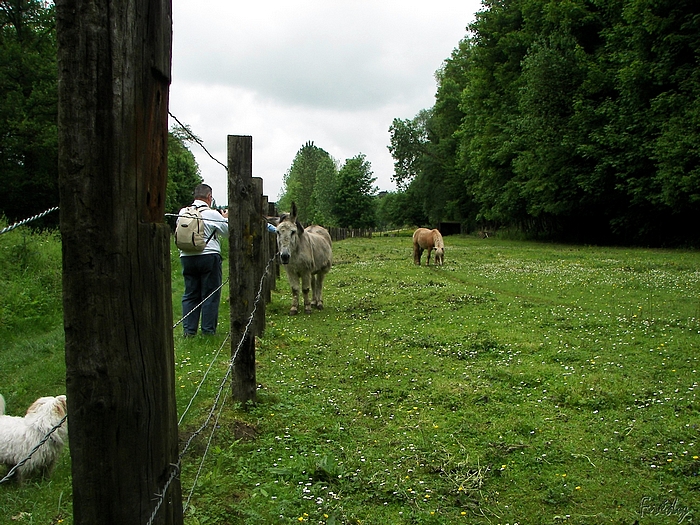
(114, 76)
(258, 254)
(272, 212)
(267, 294)
(242, 265)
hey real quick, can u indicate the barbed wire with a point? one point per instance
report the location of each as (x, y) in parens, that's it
(27, 220)
(33, 451)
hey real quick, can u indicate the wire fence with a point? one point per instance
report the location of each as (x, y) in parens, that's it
(41, 443)
(218, 402)
(222, 393)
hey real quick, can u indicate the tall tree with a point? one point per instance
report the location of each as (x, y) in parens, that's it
(28, 109)
(323, 197)
(310, 182)
(399, 209)
(354, 201)
(183, 171)
(409, 146)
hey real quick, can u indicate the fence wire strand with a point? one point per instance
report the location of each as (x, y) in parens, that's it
(33, 451)
(206, 451)
(208, 220)
(200, 304)
(197, 140)
(199, 386)
(27, 220)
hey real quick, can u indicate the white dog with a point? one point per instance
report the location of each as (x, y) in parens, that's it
(19, 436)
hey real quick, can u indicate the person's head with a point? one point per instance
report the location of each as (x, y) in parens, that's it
(202, 192)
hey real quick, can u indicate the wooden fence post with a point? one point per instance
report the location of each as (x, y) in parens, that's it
(243, 220)
(114, 77)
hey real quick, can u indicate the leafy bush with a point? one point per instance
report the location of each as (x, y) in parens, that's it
(30, 293)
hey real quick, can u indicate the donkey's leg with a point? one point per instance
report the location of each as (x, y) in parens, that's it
(294, 284)
(318, 290)
(314, 291)
(305, 287)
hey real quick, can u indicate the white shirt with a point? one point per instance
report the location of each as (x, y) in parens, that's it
(213, 222)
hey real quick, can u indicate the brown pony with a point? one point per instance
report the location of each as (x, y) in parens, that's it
(425, 239)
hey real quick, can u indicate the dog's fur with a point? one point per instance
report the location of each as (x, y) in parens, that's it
(19, 435)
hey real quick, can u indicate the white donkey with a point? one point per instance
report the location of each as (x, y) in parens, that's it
(307, 255)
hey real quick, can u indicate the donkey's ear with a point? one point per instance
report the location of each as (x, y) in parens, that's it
(294, 209)
(300, 229)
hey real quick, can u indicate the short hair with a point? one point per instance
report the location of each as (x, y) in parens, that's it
(202, 191)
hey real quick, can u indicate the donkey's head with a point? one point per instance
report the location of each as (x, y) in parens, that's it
(289, 231)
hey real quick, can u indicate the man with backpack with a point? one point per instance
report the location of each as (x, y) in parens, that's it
(196, 236)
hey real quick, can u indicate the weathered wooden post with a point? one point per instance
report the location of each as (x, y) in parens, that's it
(114, 77)
(243, 221)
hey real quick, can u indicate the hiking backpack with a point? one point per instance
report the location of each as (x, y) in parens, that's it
(189, 231)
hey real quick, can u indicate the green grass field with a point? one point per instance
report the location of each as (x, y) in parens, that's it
(520, 383)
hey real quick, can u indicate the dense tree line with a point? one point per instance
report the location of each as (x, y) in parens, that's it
(578, 120)
(28, 114)
(327, 193)
(28, 109)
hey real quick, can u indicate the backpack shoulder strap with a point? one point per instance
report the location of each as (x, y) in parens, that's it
(213, 234)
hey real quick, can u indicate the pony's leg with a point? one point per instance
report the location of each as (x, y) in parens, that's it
(305, 287)
(428, 261)
(417, 254)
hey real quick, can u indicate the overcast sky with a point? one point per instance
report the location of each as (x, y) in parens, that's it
(335, 72)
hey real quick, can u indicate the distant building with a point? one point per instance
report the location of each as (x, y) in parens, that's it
(450, 228)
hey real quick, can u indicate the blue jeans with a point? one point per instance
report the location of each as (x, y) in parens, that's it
(202, 275)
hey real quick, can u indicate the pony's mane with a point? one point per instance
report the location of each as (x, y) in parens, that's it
(437, 239)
